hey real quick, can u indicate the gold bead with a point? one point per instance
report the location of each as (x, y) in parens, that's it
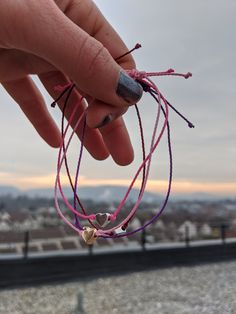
(89, 235)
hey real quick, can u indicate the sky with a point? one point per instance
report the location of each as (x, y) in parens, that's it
(187, 35)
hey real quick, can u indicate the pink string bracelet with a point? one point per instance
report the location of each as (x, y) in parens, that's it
(65, 89)
(60, 161)
(63, 158)
(99, 221)
(110, 232)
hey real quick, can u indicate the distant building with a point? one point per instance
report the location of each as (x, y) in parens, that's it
(134, 224)
(17, 221)
(159, 225)
(205, 230)
(4, 226)
(187, 227)
(5, 216)
(159, 231)
(171, 231)
(233, 223)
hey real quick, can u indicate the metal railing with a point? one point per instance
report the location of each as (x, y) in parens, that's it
(142, 241)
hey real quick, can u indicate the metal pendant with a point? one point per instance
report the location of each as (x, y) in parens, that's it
(89, 235)
(102, 219)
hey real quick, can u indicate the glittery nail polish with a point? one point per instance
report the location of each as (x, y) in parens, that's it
(127, 88)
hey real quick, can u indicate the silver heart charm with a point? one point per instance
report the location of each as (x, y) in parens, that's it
(102, 219)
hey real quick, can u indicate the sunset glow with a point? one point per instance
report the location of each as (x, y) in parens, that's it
(155, 186)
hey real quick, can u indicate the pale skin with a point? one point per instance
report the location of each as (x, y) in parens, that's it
(63, 41)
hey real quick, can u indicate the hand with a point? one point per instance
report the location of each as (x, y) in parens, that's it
(63, 41)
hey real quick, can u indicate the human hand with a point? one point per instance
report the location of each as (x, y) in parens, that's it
(63, 41)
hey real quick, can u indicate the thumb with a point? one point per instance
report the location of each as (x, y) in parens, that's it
(51, 35)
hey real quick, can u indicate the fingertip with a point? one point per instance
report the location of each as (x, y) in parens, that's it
(54, 140)
(54, 143)
(117, 140)
(102, 156)
(124, 159)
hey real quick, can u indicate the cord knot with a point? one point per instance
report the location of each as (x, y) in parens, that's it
(187, 75)
(137, 75)
(137, 46)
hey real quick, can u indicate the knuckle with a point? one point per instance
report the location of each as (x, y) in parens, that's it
(94, 57)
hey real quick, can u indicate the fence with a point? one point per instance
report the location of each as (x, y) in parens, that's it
(58, 240)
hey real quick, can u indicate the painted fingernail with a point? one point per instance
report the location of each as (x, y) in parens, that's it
(105, 121)
(127, 88)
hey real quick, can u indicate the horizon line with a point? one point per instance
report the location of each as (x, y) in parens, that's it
(154, 186)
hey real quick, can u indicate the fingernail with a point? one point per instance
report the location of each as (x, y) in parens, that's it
(105, 121)
(127, 88)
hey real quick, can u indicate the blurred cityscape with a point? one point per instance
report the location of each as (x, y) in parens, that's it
(35, 220)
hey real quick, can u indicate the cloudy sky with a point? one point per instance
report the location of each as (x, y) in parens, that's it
(187, 35)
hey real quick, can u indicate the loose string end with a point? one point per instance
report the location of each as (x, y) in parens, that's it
(136, 47)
